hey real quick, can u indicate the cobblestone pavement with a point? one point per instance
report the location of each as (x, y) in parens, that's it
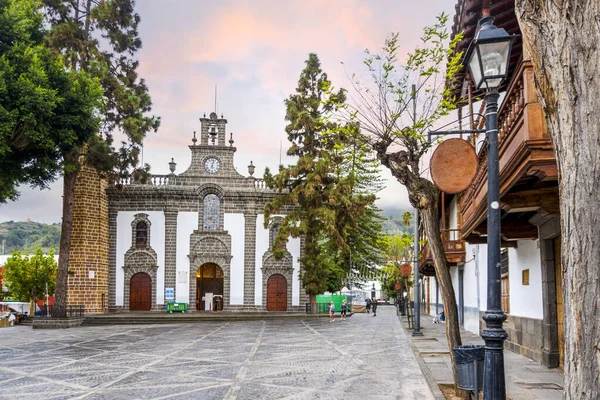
(364, 357)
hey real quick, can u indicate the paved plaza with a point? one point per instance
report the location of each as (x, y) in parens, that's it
(364, 357)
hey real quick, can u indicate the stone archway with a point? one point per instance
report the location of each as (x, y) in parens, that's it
(209, 284)
(283, 268)
(140, 292)
(210, 248)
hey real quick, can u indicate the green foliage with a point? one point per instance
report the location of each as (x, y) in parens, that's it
(386, 110)
(45, 108)
(26, 277)
(364, 232)
(327, 206)
(400, 250)
(101, 38)
(29, 236)
(407, 217)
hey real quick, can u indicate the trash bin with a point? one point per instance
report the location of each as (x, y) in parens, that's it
(469, 366)
(172, 306)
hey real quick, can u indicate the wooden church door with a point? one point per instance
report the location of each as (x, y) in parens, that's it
(140, 292)
(277, 293)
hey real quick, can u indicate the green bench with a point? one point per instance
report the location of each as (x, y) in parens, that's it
(172, 306)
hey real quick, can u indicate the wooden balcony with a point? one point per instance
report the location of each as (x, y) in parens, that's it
(528, 170)
(454, 247)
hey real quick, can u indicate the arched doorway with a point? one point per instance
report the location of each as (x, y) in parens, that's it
(277, 293)
(209, 280)
(140, 292)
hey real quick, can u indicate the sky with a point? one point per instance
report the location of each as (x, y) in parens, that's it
(253, 51)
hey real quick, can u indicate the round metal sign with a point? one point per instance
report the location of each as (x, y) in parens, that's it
(405, 270)
(453, 165)
(397, 286)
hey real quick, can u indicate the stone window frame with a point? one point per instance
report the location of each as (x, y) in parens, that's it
(208, 199)
(143, 218)
(137, 234)
(131, 267)
(203, 191)
(273, 228)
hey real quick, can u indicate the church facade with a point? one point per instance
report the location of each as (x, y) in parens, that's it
(196, 237)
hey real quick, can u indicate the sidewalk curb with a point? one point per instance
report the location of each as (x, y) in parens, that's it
(433, 386)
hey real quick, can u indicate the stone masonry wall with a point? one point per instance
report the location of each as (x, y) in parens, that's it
(88, 260)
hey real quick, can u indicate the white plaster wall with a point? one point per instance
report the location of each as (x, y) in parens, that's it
(471, 282)
(234, 225)
(157, 242)
(525, 301)
(482, 260)
(262, 245)
(187, 222)
(453, 215)
(293, 246)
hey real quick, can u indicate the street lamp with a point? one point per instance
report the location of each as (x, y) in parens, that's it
(488, 59)
(373, 292)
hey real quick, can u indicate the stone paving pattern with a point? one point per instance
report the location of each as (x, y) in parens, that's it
(364, 357)
(525, 379)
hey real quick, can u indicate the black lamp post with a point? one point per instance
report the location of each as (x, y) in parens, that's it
(488, 58)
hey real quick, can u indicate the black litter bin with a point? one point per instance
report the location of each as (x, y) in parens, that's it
(469, 366)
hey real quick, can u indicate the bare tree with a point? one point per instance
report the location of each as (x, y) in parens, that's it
(396, 127)
(563, 39)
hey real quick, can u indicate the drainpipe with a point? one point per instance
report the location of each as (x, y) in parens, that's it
(476, 258)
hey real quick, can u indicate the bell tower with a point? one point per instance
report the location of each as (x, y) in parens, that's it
(212, 130)
(213, 156)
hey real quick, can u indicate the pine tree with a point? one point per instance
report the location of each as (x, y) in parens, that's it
(367, 244)
(312, 185)
(100, 37)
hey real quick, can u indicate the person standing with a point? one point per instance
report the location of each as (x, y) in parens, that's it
(331, 311)
(374, 308)
(344, 309)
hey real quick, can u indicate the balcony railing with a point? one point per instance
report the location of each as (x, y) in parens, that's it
(454, 247)
(525, 150)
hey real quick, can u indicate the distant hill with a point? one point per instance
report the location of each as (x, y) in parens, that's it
(28, 236)
(394, 223)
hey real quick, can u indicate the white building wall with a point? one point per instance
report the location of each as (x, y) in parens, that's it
(293, 246)
(234, 225)
(187, 222)
(262, 245)
(475, 271)
(453, 215)
(157, 242)
(525, 301)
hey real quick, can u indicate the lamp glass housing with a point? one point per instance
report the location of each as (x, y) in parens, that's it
(488, 56)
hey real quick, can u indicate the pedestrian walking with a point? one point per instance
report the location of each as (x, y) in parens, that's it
(331, 311)
(374, 308)
(344, 309)
(368, 305)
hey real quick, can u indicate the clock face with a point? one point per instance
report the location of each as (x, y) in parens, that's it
(212, 165)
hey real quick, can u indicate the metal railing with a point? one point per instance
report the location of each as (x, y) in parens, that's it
(323, 308)
(72, 311)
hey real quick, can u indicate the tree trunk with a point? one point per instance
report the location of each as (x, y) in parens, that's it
(434, 240)
(562, 38)
(62, 273)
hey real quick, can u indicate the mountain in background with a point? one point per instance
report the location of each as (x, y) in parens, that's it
(28, 236)
(394, 223)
